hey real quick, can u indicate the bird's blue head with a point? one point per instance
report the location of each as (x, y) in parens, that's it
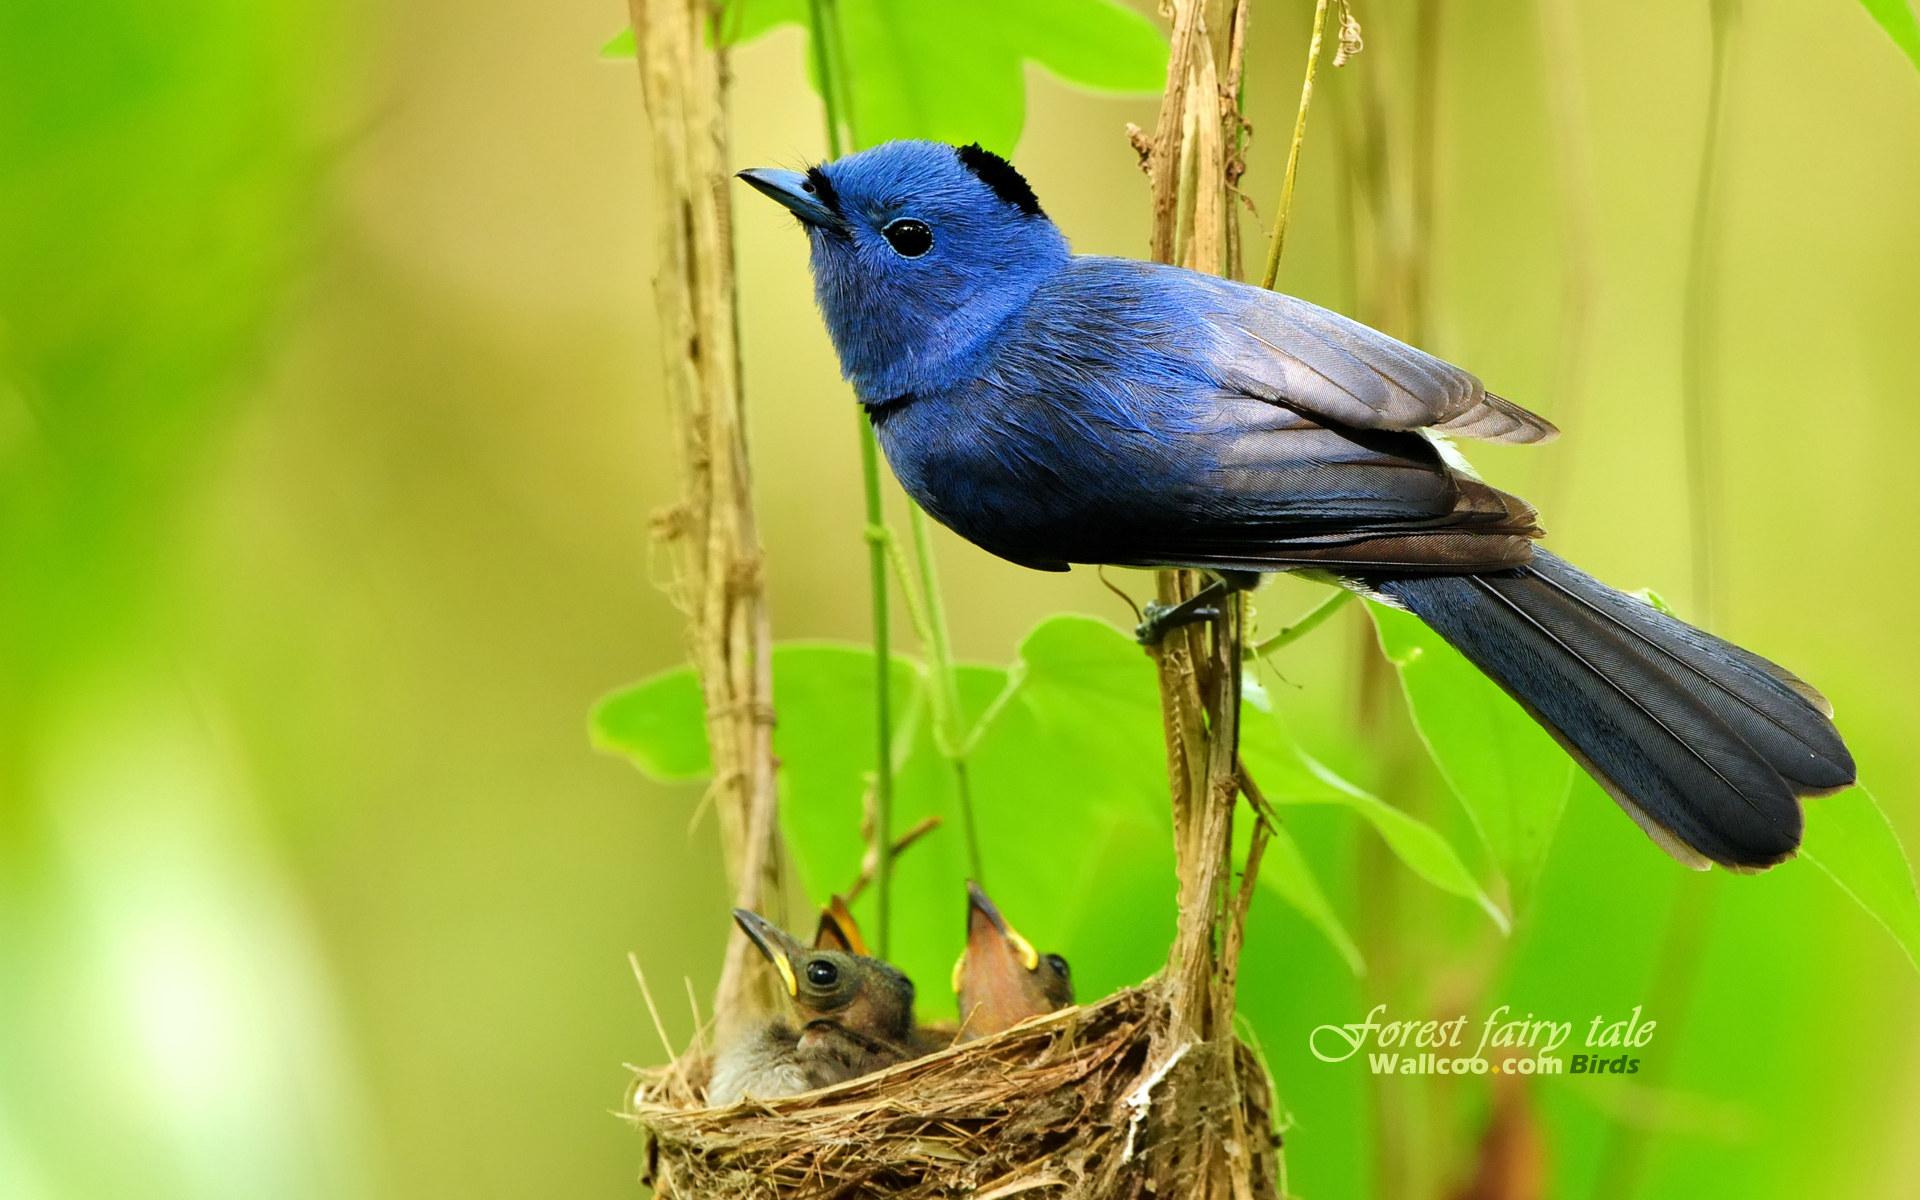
(920, 251)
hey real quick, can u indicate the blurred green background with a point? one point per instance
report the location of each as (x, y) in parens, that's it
(330, 425)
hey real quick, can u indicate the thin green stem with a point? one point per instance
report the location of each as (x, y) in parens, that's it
(909, 587)
(1689, 918)
(823, 70)
(1279, 241)
(1696, 342)
(1573, 161)
(920, 588)
(823, 38)
(929, 616)
(877, 540)
(828, 63)
(946, 683)
(1310, 621)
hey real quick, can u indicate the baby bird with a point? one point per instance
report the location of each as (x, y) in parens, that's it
(838, 930)
(1000, 979)
(850, 1015)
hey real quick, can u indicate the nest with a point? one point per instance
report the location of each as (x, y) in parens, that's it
(1092, 1101)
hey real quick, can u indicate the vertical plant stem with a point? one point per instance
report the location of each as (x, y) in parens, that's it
(1691, 913)
(830, 66)
(1389, 196)
(881, 834)
(1190, 170)
(1279, 242)
(1423, 169)
(948, 733)
(1566, 105)
(717, 577)
(1696, 346)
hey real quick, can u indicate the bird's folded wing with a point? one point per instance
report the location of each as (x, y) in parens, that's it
(1287, 351)
(1281, 491)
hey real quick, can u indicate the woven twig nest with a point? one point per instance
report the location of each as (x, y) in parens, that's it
(1092, 1101)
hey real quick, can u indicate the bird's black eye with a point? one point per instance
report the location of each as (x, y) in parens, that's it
(822, 974)
(908, 237)
(1057, 964)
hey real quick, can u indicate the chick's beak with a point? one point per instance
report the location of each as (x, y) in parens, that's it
(795, 192)
(781, 950)
(993, 946)
(997, 980)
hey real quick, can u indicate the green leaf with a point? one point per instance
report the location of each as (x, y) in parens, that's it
(620, 46)
(824, 740)
(1849, 837)
(1088, 691)
(1070, 787)
(1896, 17)
(953, 72)
(823, 692)
(1507, 771)
(1093, 43)
(1287, 874)
(657, 724)
(825, 743)
(1074, 748)
(1067, 784)
(1659, 603)
(1288, 775)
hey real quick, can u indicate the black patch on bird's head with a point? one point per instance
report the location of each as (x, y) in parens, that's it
(822, 188)
(998, 174)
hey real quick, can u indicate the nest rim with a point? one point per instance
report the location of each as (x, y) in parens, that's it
(1092, 1100)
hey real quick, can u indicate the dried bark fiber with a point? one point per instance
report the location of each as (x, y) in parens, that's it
(710, 532)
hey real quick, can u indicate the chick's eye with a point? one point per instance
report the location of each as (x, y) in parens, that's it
(821, 973)
(1058, 964)
(908, 237)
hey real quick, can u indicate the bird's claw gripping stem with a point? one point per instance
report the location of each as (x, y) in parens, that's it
(1158, 620)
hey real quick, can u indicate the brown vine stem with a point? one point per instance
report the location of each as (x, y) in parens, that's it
(1192, 162)
(717, 578)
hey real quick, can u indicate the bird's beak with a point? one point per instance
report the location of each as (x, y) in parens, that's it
(781, 950)
(991, 942)
(794, 191)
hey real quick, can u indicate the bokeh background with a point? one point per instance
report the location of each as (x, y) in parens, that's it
(330, 425)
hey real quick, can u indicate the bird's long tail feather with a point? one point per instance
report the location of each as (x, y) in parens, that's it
(1706, 745)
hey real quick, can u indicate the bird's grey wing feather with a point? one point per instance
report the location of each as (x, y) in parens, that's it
(1283, 492)
(1283, 349)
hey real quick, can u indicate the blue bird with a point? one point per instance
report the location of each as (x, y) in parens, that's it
(1056, 408)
